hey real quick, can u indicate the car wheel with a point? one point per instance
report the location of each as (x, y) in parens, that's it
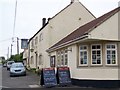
(25, 74)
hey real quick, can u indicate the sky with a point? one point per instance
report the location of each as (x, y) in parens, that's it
(29, 14)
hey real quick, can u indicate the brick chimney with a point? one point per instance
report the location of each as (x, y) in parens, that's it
(72, 1)
(43, 21)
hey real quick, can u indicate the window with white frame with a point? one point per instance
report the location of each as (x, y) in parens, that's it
(36, 40)
(58, 58)
(66, 58)
(32, 43)
(111, 54)
(62, 58)
(96, 54)
(83, 55)
(52, 61)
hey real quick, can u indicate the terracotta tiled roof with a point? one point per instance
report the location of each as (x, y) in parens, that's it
(85, 29)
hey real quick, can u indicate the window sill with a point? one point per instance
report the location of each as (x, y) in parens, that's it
(111, 65)
(96, 65)
(83, 65)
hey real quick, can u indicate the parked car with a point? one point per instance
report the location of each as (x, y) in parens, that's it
(5, 65)
(17, 69)
(9, 63)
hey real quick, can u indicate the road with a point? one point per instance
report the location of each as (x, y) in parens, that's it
(31, 80)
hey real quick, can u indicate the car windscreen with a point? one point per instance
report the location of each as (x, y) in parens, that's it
(10, 63)
(17, 66)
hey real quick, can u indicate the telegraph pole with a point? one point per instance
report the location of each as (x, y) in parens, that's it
(11, 49)
(8, 54)
(17, 45)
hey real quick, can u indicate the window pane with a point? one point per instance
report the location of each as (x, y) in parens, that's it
(108, 57)
(93, 56)
(93, 47)
(98, 52)
(85, 47)
(94, 61)
(98, 62)
(81, 48)
(108, 62)
(113, 46)
(81, 53)
(93, 52)
(85, 61)
(85, 57)
(113, 62)
(98, 46)
(113, 52)
(108, 51)
(81, 60)
(85, 53)
(108, 46)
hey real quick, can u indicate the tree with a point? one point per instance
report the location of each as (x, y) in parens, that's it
(17, 57)
(2, 58)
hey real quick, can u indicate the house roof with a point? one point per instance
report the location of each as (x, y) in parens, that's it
(83, 30)
(47, 22)
(56, 15)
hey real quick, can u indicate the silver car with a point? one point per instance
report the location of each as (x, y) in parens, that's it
(17, 69)
(9, 63)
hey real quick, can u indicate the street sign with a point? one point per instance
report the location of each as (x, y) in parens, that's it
(24, 43)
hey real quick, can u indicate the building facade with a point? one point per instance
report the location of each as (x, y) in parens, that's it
(56, 28)
(92, 52)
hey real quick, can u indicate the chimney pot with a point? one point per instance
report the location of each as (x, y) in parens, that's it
(43, 21)
(49, 19)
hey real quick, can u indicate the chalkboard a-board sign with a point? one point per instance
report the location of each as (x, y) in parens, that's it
(63, 76)
(48, 77)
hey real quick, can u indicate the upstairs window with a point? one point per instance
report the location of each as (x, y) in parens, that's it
(111, 54)
(36, 40)
(32, 43)
(41, 37)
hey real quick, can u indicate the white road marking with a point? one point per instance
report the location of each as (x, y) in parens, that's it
(4, 87)
(34, 86)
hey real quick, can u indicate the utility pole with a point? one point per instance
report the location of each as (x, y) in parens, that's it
(11, 49)
(17, 45)
(8, 54)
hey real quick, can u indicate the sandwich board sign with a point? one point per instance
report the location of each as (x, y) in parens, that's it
(48, 77)
(63, 76)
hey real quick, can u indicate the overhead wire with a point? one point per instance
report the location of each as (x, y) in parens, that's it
(5, 40)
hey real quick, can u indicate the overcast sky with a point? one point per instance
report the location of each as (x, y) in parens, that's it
(30, 13)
